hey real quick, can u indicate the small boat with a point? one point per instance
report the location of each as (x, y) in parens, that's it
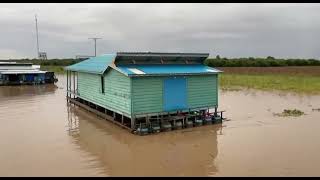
(49, 77)
(12, 73)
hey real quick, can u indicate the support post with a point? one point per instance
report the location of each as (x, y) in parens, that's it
(70, 83)
(77, 82)
(67, 84)
(186, 120)
(121, 118)
(74, 84)
(183, 119)
(132, 123)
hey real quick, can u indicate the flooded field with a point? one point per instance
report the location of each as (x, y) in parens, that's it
(40, 135)
(287, 70)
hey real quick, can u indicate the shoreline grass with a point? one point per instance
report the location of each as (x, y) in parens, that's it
(55, 69)
(291, 83)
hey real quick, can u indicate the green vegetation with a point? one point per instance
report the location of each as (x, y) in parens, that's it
(289, 112)
(298, 84)
(56, 69)
(242, 73)
(259, 62)
(214, 62)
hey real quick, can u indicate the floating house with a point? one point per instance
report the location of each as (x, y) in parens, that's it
(147, 92)
(13, 73)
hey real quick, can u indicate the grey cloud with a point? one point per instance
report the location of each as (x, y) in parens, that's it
(231, 30)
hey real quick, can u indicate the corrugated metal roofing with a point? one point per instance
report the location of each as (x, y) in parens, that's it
(22, 72)
(15, 64)
(131, 54)
(96, 65)
(166, 69)
(160, 58)
(99, 64)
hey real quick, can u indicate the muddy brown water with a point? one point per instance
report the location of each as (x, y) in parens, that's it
(40, 135)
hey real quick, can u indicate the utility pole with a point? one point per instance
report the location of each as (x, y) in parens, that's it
(37, 36)
(95, 45)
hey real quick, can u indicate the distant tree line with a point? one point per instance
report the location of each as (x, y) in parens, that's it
(214, 62)
(49, 62)
(259, 62)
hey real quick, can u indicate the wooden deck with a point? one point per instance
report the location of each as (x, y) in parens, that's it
(120, 121)
(98, 113)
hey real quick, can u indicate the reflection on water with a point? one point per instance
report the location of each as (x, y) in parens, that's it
(177, 153)
(41, 135)
(9, 92)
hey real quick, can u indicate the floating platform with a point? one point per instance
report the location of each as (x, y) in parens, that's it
(12, 73)
(155, 124)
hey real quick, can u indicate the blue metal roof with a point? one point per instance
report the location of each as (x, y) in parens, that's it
(96, 65)
(99, 64)
(166, 69)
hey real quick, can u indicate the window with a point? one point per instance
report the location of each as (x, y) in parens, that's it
(102, 84)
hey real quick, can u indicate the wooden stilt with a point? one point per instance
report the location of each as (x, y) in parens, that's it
(158, 118)
(132, 123)
(77, 82)
(67, 84)
(70, 83)
(183, 121)
(74, 84)
(121, 118)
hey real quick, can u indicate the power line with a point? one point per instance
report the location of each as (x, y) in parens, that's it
(95, 44)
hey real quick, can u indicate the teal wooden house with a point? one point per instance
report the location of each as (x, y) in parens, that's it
(147, 92)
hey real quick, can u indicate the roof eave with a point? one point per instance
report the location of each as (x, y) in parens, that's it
(171, 74)
(119, 70)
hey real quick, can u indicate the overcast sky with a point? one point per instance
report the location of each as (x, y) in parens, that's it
(230, 30)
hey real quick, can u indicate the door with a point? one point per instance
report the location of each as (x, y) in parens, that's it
(175, 94)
